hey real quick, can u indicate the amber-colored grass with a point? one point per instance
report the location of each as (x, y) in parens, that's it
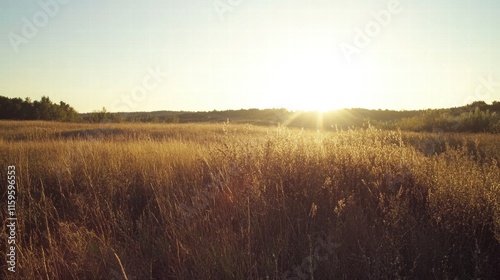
(223, 201)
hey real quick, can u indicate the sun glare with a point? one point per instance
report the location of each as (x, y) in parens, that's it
(314, 82)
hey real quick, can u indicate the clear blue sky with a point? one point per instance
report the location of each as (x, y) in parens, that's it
(204, 54)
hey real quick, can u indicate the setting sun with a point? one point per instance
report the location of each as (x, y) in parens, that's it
(314, 81)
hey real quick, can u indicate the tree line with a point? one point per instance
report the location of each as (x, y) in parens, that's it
(45, 109)
(475, 117)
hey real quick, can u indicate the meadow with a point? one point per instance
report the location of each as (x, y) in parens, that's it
(236, 201)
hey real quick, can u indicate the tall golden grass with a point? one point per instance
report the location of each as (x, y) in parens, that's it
(223, 201)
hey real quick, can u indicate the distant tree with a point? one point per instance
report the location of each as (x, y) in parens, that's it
(100, 116)
(478, 121)
(172, 119)
(45, 109)
(67, 113)
(27, 109)
(477, 104)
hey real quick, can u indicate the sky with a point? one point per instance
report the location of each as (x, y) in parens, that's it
(203, 55)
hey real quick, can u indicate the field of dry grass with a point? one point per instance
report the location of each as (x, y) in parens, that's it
(224, 201)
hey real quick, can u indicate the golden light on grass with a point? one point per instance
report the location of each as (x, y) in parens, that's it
(228, 201)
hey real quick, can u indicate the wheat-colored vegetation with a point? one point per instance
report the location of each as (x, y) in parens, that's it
(223, 201)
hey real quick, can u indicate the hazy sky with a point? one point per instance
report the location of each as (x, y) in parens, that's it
(231, 54)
